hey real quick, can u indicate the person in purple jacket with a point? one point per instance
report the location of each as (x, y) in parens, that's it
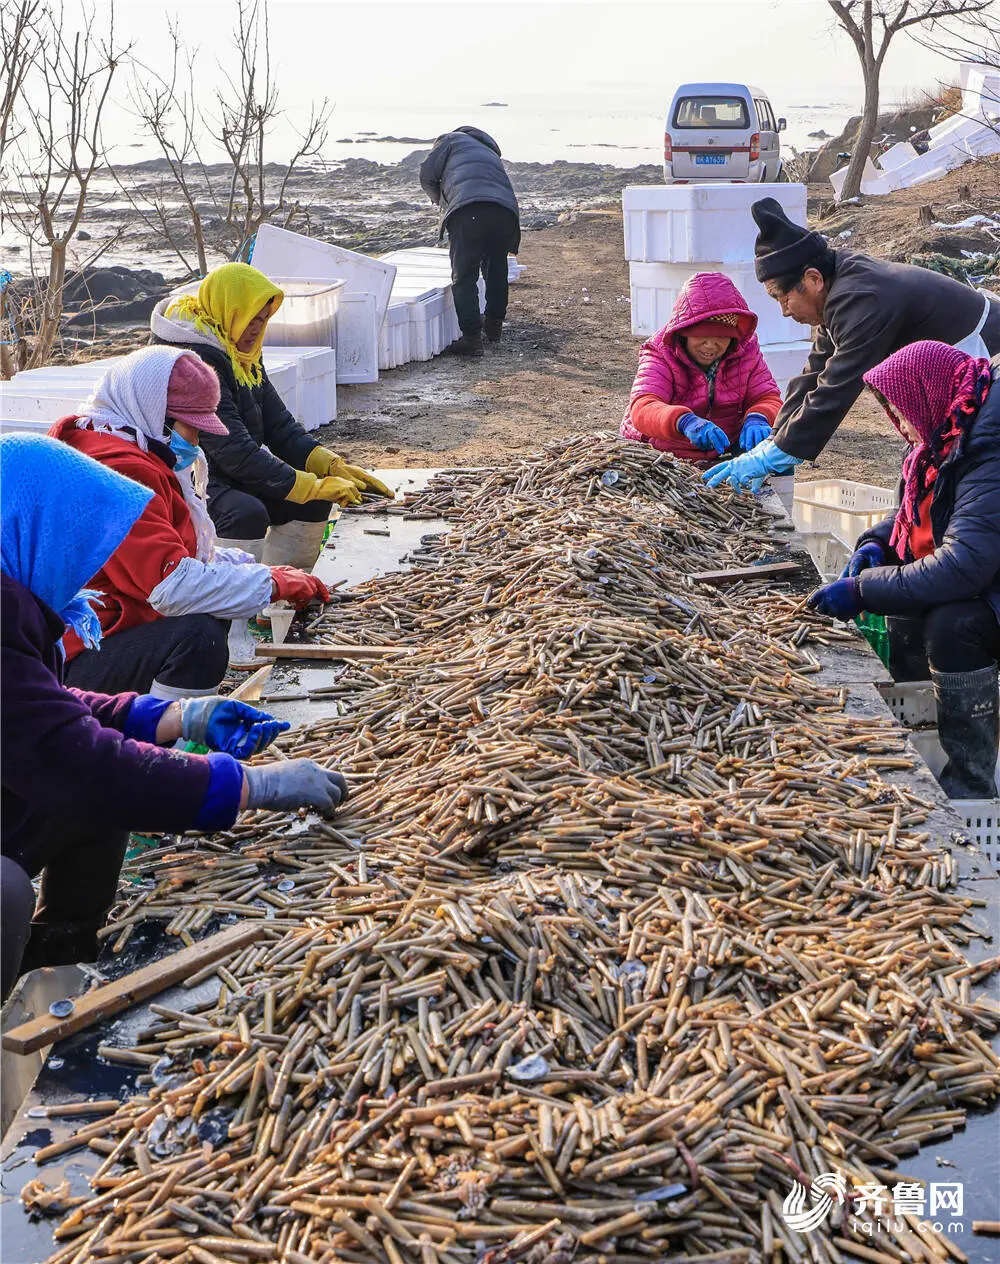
(80, 770)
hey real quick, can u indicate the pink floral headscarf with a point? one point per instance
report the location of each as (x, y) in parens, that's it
(938, 390)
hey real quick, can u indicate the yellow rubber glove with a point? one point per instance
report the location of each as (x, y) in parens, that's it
(308, 487)
(323, 462)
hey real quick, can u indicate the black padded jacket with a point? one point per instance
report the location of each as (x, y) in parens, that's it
(965, 522)
(464, 167)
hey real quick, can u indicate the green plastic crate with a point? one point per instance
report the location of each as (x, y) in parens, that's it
(875, 633)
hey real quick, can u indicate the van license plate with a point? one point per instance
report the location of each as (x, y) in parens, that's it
(710, 160)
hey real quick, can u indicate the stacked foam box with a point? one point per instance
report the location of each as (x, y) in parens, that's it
(974, 133)
(674, 231)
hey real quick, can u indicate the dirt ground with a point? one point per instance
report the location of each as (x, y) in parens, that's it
(566, 363)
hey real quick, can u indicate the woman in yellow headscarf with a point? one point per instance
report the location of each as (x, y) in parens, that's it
(267, 477)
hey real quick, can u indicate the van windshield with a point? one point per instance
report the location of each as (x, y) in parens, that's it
(711, 112)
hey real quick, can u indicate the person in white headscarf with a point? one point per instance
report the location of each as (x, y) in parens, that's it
(168, 592)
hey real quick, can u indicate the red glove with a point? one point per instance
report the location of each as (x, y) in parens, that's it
(297, 587)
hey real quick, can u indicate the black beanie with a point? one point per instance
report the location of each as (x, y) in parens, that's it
(783, 247)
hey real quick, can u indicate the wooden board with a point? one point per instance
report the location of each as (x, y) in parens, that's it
(112, 998)
(770, 570)
(251, 688)
(329, 652)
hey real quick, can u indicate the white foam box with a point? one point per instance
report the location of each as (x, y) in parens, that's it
(283, 374)
(278, 252)
(427, 326)
(47, 394)
(691, 223)
(315, 382)
(394, 337)
(655, 287)
(897, 156)
(874, 183)
(437, 261)
(357, 338)
(786, 360)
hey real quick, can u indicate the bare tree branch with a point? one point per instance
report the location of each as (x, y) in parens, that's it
(871, 26)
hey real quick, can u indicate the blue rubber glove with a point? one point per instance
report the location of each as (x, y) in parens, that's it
(703, 434)
(839, 600)
(870, 554)
(294, 784)
(756, 428)
(224, 725)
(752, 467)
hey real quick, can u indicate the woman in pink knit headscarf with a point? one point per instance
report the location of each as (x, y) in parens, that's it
(933, 566)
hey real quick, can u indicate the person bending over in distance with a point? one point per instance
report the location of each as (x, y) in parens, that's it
(167, 593)
(702, 387)
(933, 566)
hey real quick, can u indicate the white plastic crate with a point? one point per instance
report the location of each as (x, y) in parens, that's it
(357, 338)
(278, 252)
(982, 825)
(911, 702)
(307, 316)
(690, 223)
(655, 287)
(842, 508)
(828, 553)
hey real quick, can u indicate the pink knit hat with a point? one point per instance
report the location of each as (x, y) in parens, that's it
(193, 395)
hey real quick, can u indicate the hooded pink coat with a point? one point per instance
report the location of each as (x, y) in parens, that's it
(668, 383)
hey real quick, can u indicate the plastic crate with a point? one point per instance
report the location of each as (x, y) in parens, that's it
(841, 508)
(829, 553)
(982, 825)
(912, 702)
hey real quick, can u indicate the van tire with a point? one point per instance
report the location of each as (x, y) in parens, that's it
(782, 177)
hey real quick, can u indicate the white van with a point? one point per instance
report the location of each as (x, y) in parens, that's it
(721, 131)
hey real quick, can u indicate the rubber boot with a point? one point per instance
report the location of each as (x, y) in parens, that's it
(242, 646)
(294, 544)
(469, 345)
(968, 709)
(907, 649)
(492, 329)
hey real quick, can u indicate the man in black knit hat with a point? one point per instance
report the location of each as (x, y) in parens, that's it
(862, 310)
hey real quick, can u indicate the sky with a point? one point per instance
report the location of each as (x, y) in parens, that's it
(430, 53)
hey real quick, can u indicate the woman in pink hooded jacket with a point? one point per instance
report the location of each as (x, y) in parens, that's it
(703, 386)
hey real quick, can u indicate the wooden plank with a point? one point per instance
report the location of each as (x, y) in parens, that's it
(770, 570)
(112, 998)
(251, 688)
(327, 653)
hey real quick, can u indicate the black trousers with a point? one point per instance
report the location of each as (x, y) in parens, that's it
(479, 238)
(958, 637)
(240, 515)
(189, 652)
(17, 903)
(80, 862)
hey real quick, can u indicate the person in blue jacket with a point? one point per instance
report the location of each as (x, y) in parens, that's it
(933, 566)
(80, 770)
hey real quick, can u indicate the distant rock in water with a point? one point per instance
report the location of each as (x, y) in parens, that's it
(494, 105)
(820, 135)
